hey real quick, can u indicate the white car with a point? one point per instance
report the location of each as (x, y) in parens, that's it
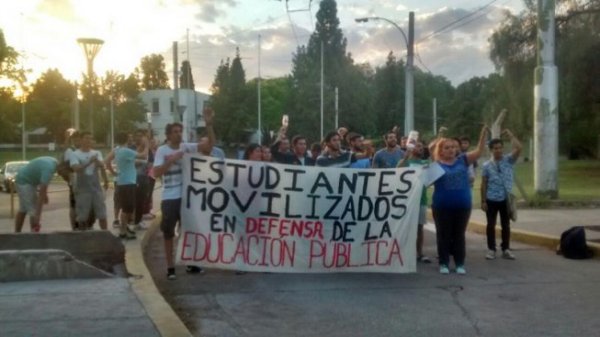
(8, 173)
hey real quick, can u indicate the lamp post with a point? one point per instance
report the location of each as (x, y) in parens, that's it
(91, 47)
(409, 114)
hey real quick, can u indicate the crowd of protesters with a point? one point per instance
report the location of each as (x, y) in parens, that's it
(137, 162)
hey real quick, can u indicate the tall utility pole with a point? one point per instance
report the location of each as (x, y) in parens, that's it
(176, 117)
(322, 90)
(336, 108)
(409, 107)
(259, 103)
(91, 47)
(545, 109)
(409, 93)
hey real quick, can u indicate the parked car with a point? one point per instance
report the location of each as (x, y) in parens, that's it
(8, 172)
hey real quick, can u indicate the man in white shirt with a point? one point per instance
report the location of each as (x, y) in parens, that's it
(89, 196)
(168, 165)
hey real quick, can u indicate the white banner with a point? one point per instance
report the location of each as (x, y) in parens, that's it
(256, 216)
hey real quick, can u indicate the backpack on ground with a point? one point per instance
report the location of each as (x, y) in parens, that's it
(573, 244)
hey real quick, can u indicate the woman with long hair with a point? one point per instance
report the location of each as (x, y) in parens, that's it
(452, 199)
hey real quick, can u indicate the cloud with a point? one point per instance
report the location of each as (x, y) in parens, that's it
(445, 53)
(59, 9)
(211, 11)
(207, 51)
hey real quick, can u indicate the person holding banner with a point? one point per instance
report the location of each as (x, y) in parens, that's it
(298, 155)
(333, 155)
(356, 144)
(390, 155)
(414, 158)
(168, 165)
(452, 200)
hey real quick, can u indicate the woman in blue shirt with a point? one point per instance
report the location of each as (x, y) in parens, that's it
(451, 204)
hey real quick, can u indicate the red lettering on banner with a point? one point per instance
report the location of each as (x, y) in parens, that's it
(396, 251)
(377, 253)
(315, 252)
(276, 227)
(240, 251)
(369, 261)
(248, 250)
(184, 256)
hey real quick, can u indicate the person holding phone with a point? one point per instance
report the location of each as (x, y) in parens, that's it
(299, 146)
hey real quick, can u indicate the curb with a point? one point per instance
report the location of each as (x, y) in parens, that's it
(538, 239)
(159, 311)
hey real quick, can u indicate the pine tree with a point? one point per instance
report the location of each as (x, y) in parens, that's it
(186, 79)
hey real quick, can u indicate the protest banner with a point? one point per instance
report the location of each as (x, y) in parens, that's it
(257, 216)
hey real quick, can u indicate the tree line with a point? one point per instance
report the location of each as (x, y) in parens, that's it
(371, 100)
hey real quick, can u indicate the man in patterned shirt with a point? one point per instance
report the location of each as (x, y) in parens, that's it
(496, 184)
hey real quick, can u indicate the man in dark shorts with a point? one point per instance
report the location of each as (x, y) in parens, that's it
(168, 165)
(126, 182)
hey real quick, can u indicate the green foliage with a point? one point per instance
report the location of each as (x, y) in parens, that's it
(10, 116)
(49, 104)
(513, 51)
(233, 116)
(153, 71)
(338, 70)
(275, 93)
(186, 80)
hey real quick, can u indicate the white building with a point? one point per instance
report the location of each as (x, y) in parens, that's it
(160, 105)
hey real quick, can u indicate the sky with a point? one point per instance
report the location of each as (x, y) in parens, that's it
(208, 31)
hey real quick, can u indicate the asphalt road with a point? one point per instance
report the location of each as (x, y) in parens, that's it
(539, 294)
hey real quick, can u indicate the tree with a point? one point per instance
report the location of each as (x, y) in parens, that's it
(578, 41)
(228, 101)
(50, 102)
(339, 72)
(275, 94)
(153, 71)
(186, 80)
(9, 58)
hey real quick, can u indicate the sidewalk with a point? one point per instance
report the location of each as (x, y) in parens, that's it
(543, 227)
(87, 307)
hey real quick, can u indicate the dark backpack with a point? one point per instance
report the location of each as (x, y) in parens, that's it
(573, 244)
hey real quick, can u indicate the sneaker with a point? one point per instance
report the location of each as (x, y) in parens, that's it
(127, 236)
(116, 224)
(491, 254)
(460, 270)
(129, 230)
(423, 259)
(507, 254)
(171, 274)
(141, 225)
(148, 216)
(444, 269)
(193, 270)
(36, 228)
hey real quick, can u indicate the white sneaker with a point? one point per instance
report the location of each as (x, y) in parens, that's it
(491, 254)
(507, 254)
(141, 225)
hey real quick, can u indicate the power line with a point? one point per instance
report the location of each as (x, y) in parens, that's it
(287, 9)
(441, 30)
(420, 60)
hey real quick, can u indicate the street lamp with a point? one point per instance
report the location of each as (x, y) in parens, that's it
(409, 107)
(91, 47)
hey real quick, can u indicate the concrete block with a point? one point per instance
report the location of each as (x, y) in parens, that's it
(44, 264)
(99, 248)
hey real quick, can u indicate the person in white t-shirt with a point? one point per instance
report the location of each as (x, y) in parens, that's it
(168, 166)
(89, 195)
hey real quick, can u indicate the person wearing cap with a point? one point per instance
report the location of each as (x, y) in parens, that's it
(32, 187)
